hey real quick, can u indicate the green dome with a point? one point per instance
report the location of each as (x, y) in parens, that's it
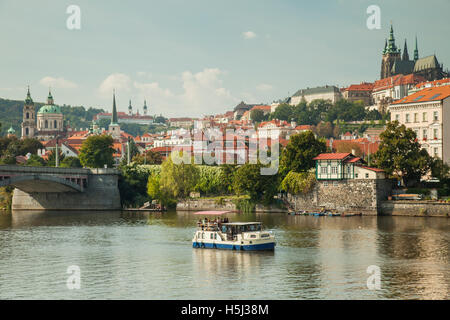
(49, 108)
(11, 130)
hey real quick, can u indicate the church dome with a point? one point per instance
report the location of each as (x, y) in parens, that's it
(49, 108)
(11, 130)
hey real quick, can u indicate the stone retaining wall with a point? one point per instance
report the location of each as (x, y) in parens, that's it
(415, 208)
(358, 196)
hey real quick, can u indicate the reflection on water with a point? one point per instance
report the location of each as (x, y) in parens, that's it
(149, 256)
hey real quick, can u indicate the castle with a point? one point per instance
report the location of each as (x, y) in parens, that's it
(394, 62)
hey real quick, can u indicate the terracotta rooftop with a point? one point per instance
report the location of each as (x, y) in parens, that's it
(426, 95)
(332, 156)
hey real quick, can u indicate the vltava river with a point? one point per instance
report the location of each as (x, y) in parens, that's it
(122, 256)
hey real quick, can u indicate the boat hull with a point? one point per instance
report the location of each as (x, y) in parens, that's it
(267, 246)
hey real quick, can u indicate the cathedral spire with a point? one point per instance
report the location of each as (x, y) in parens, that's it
(385, 46)
(416, 52)
(114, 110)
(392, 48)
(405, 53)
(130, 108)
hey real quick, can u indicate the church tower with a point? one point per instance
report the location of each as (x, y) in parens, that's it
(130, 109)
(114, 127)
(29, 119)
(390, 54)
(145, 107)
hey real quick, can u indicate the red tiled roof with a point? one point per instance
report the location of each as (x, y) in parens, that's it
(303, 127)
(261, 108)
(332, 156)
(397, 80)
(372, 169)
(365, 86)
(434, 83)
(354, 160)
(425, 95)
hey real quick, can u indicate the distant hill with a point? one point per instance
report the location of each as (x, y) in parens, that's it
(11, 115)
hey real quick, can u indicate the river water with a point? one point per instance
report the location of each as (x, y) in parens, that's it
(142, 256)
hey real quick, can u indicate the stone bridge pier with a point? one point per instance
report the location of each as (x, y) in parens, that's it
(46, 188)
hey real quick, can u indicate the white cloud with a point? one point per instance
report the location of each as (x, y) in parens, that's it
(57, 83)
(118, 81)
(200, 93)
(264, 87)
(249, 35)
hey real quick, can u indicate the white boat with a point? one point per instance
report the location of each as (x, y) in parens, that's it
(247, 236)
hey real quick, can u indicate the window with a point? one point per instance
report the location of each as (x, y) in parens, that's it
(212, 235)
(324, 170)
(367, 176)
(46, 124)
(54, 124)
(28, 115)
(416, 131)
(424, 134)
(27, 131)
(416, 117)
(325, 183)
(407, 118)
(335, 183)
(435, 133)
(397, 117)
(334, 170)
(435, 116)
(356, 175)
(436, 152)
(424, 117)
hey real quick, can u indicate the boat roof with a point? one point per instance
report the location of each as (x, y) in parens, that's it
(240, 223)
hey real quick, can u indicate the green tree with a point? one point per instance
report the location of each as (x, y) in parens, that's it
(248, 180)
(51, 162)
(282, 112)
(258, 115)
(71, 162)
(178, 180)
(35, 161)
(149, 157)
(298, 155)
(401, 155)
(97, 151)
(440, 170)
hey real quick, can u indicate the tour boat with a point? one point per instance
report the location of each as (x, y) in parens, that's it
(246, 236)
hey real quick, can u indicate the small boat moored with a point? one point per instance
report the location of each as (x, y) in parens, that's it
(246, 236)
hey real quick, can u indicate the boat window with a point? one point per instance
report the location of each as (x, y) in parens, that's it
(252, 228)
(212, 236)
(215, 236)
(224, 229)
(203, 235)
(259, 227)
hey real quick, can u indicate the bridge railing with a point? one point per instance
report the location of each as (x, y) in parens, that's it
(53, 170)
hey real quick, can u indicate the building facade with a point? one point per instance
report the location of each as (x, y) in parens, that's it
(331, 93)
(427, 113)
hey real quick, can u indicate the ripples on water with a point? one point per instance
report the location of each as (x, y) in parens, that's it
(129, 256)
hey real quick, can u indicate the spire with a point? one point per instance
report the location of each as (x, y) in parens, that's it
(145, 107)
(416, 52)
(405, 53)
(385, 46)
(50, 97)
(28, 100)
(114, 110)
(392, 48)
(130, 108)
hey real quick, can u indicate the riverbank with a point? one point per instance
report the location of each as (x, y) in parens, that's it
(414, 208)
(222, 204)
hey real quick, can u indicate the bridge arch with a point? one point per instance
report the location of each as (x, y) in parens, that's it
(40, 183)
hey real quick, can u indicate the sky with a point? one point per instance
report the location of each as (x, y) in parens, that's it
(202, 57)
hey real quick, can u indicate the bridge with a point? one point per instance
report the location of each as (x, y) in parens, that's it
(48, 188)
